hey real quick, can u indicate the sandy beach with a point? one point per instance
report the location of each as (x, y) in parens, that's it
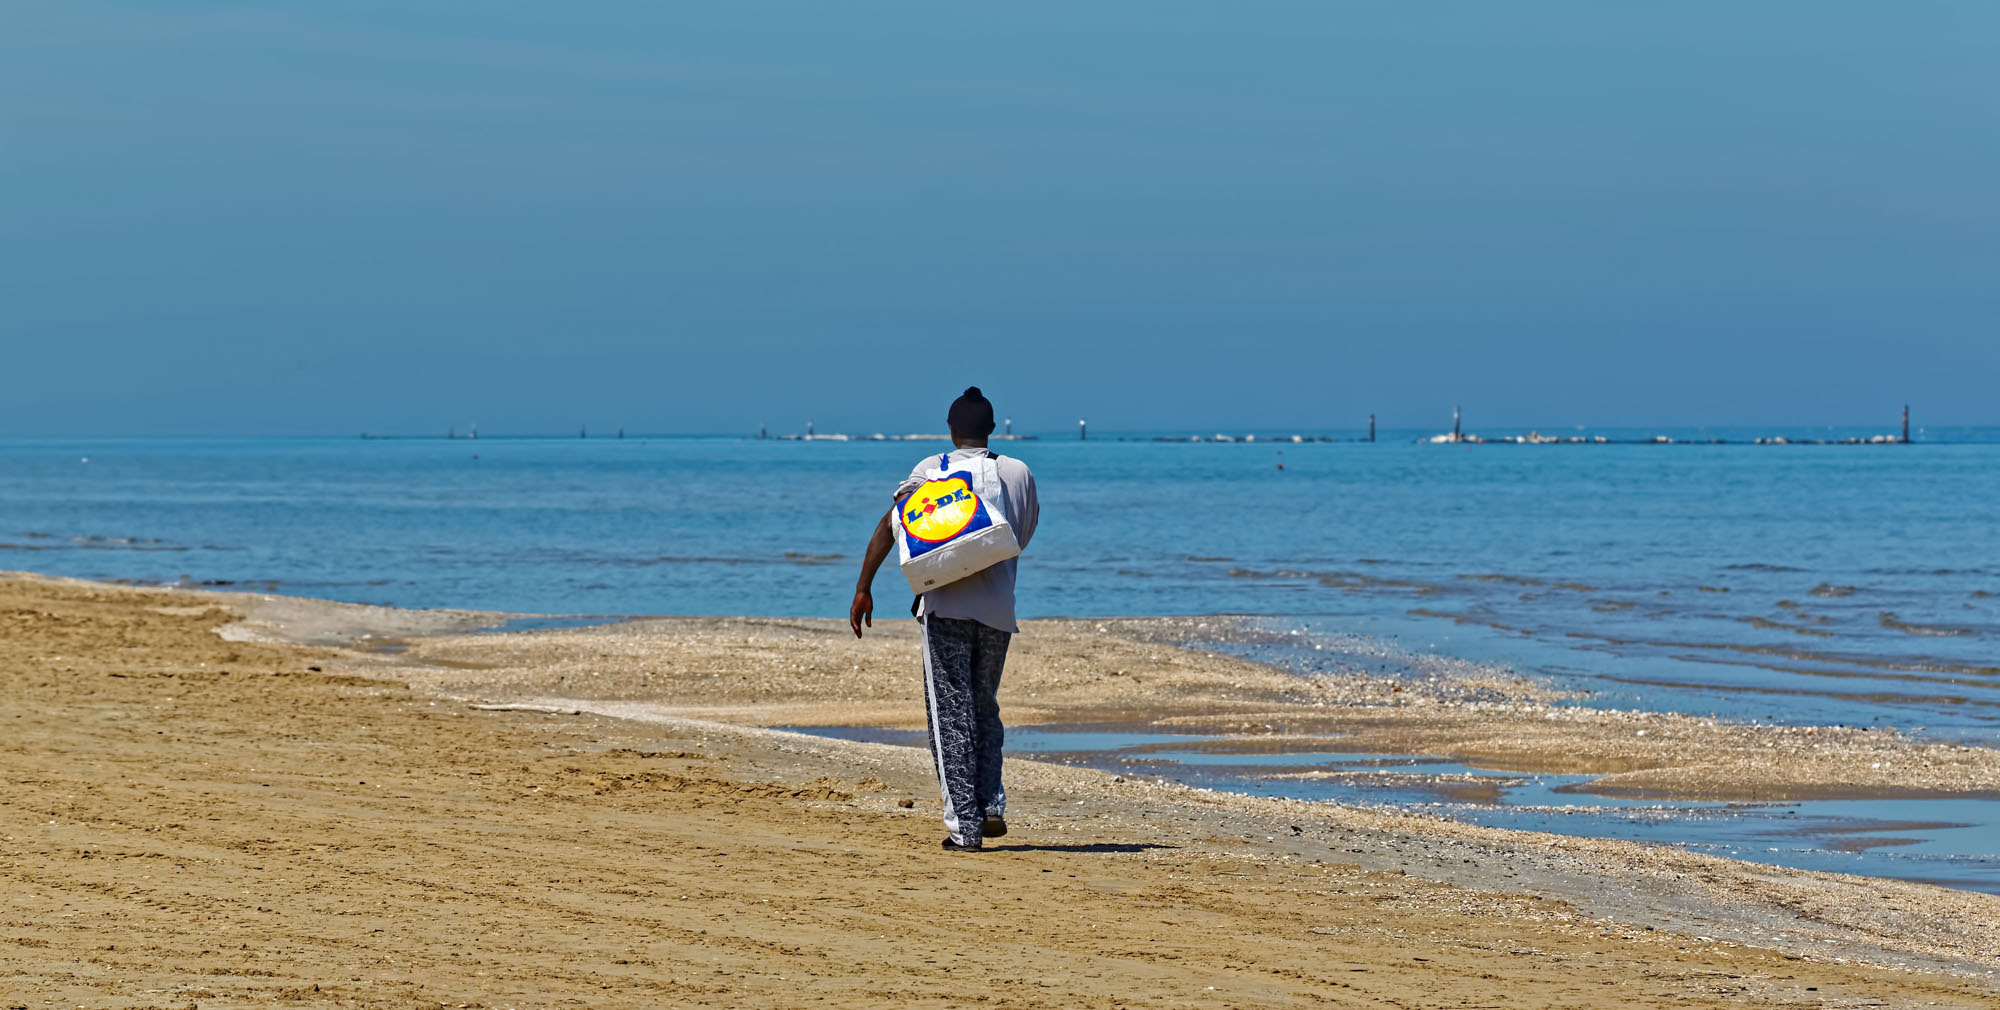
(227, 800)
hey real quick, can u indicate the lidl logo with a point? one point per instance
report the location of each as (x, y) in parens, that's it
(940, 509)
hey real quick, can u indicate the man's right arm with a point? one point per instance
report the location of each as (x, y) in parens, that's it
(862, 610)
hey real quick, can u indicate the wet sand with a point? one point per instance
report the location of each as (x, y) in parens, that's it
(1131, 672)
(195, 814)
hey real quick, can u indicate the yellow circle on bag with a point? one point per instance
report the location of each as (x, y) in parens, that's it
(939, 509)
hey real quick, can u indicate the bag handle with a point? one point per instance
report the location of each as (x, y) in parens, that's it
(944, 460)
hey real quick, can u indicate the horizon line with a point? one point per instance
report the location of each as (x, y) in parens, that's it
(1056, 435)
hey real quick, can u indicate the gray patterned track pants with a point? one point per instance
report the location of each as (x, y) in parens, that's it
(962, 661)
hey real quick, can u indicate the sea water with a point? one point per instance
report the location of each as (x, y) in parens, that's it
(1830, 584)
(1841, 584)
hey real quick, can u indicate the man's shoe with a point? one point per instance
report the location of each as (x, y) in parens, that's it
(995, 826)
(952, 845)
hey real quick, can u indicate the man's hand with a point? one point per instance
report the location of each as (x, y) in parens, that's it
(861, 611)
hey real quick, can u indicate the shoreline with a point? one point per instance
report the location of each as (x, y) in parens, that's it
(1429, 716)
(1325, 880)
(1850, 654)
(1481, 718)
(1133, 671)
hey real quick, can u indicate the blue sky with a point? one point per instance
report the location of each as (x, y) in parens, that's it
(394, 216)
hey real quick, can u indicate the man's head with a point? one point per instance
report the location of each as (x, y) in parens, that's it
(970, 417)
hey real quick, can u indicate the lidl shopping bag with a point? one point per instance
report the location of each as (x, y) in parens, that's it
(953, 524)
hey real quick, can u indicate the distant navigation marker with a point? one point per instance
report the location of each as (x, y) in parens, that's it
(1906, 424)
(1082, 430)
(1010, 425)
(761, 433)
(1371, 427)
(809, 429)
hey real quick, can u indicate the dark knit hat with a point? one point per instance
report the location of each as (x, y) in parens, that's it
(971, 415)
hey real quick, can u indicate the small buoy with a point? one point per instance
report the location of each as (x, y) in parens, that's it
(1281, 466)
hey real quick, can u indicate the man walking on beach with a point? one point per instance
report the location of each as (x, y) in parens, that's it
(965, 627)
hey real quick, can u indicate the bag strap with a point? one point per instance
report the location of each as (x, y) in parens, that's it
(944, 461)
